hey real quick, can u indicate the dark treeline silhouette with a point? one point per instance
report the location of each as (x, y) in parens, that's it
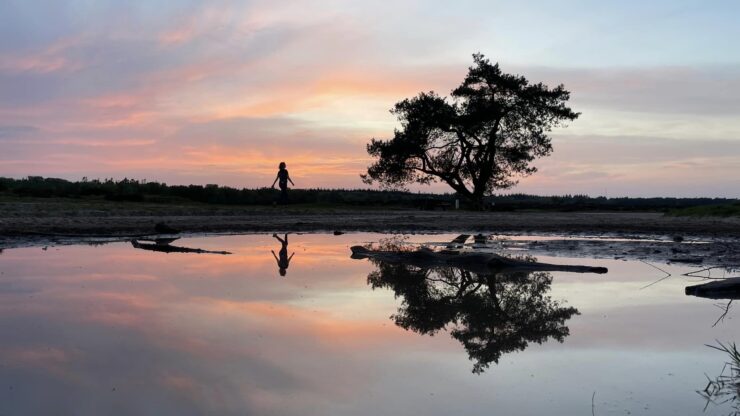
(144, 191)
(585, 202)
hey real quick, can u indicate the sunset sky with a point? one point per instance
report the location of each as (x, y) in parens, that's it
(222, 91)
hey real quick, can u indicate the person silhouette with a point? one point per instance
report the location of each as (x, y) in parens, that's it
(283, 176)
(283, 261)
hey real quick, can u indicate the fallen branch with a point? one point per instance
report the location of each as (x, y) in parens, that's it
(659, 280)
(693, 274)
(720, 289)
(726, 311)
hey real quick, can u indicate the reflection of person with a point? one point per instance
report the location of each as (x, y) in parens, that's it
(283, 177)
(283, 261)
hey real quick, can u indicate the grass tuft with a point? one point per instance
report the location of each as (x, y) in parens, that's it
(725, 388)
(725, 210)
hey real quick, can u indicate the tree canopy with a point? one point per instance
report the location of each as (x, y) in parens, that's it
(484, 138)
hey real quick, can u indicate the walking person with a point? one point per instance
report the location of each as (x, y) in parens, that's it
(283, 177)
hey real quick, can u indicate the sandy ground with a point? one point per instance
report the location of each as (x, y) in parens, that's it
(43, 222)
(37, 218)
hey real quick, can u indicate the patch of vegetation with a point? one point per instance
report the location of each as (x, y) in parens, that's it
(132, 190)
(725, 388)
(515, 202)
(724, 210)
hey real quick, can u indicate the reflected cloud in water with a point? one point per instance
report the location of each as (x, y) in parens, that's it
(114, 330)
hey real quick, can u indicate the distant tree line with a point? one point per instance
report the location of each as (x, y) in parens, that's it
(586, 203)
(145, 191)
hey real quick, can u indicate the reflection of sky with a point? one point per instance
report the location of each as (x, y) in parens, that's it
(221, 91)
(114, 330)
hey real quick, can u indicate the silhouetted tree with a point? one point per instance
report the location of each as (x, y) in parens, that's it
(483, 140)
(490, 314)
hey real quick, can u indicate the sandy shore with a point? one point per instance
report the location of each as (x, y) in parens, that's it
(19, 220)
(44, 222)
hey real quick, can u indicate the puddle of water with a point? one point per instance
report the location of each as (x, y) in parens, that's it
(116, 330)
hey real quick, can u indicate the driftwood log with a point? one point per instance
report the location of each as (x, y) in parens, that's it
(472, 261)
(167, 248)
(720, 289)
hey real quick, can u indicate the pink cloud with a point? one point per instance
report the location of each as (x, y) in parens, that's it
(207, 68)
(52, 58)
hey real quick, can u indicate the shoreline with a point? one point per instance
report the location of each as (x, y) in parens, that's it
(137, 222)
(700, 253)
(651, 235)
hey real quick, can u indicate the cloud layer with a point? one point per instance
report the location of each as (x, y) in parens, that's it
(222, 92)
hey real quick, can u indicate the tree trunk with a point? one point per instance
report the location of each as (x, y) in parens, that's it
(476, 199)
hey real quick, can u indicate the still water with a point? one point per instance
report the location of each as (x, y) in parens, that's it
(116, 330)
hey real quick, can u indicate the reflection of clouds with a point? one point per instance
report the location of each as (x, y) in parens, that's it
(161, 336)
(49, 360)
(132, 332)
(16, 288)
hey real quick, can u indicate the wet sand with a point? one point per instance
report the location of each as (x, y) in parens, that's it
(28, 219)
(41, 222)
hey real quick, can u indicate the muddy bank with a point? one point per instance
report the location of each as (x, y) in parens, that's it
(651, 236)
(700, 253)
(18, 221)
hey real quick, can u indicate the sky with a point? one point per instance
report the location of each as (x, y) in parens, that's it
(222, 91)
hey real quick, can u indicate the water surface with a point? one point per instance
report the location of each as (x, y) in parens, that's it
(115, 330)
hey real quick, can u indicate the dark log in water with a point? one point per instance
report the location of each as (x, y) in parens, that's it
(472, 261)
(720, 289)
(167, 248)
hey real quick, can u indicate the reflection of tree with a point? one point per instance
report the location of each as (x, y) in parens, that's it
(490, 313)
